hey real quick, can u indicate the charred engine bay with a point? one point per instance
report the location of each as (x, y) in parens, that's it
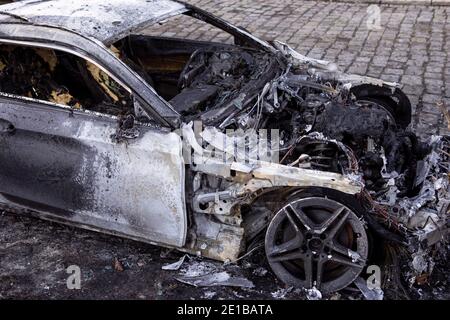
(332, 125)
(245, 89)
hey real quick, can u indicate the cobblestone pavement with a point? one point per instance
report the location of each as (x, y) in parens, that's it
(412, 45)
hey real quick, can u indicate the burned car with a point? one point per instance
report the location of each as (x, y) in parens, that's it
(212, 148)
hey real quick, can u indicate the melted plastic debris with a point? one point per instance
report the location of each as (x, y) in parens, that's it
(176, 265)
(369, 294)
(217, 279)
(313, 294)
(281, 293)
(260, 272)
(208, 274)
(336, 296)
(209, 294)
(197, 268)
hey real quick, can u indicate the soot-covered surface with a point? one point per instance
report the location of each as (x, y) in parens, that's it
(35, 254)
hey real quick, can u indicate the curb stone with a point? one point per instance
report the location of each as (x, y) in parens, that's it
(397, 2)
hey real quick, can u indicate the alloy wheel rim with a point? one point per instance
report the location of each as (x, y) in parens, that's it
(316, 242)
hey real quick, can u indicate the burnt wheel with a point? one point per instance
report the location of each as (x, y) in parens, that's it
(316, 242)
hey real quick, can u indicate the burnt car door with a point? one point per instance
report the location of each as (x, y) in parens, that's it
(70, 165)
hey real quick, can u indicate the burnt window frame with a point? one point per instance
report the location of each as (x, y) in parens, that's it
(156, 109)
(72, 53)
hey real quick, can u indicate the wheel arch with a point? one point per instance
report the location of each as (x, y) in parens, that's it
(393, 99)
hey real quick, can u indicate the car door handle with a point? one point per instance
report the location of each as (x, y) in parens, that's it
(6, 126)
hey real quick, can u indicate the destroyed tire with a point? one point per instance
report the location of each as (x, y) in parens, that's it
(316, 242)
(393, 101)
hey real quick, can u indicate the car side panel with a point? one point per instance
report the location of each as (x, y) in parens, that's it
(65, 165)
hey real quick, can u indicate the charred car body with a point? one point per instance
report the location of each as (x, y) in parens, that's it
(128, 134)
